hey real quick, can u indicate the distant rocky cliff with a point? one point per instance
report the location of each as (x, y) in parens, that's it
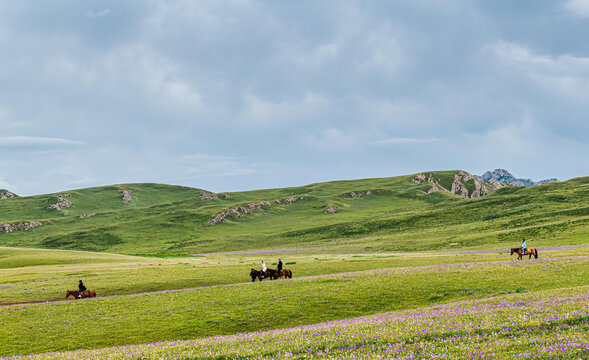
(463, 184)
(504, 176)
(5, 194)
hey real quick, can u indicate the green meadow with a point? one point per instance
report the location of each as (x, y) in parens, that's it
(161, 273)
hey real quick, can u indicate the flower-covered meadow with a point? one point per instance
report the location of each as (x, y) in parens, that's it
(541, 325)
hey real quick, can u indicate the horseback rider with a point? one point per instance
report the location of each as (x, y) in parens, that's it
(264, 268)
(279, 266)
(524, 246)
(81, 289)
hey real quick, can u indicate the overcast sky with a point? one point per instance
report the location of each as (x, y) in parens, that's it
(236, 95)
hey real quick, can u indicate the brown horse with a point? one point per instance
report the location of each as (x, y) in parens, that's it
(520, 254)
(286, 273)
(75, 293)
(278, 274)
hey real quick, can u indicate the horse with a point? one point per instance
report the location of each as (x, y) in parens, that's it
(278, 274)
(520, 254)
(256, 274)
(272, 274)
(75, 293)
(286, 273)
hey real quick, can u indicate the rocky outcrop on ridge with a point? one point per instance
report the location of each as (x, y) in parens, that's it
(464, 184)
(62, 202)
(459, 186)
(127, 198)
(21, 226)
(210, 198)
(5, 194)
(504, 176)
(421, 178)
(238, 212)
(86, 216)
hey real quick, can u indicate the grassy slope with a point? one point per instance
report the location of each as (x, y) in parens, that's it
(398, 217)
(268, 305)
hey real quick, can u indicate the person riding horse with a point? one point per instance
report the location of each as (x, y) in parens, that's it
(279, 266)
(524, 246)
(81, 289)
(263, 268)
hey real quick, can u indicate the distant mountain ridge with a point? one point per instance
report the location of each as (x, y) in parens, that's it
(504, 176)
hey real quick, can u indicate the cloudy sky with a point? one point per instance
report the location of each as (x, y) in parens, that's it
(234, 95)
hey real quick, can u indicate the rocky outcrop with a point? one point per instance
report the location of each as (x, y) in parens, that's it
(5, 194)
(127, 198)
(331, 210)
(86, 216)
(504, 176)
(238, 212)
(459, 186)
(210, 198)
(21, 226)
(288, 200)
(226, 196)
(62, 202)
(464, 185)
(430, 178)
(357, 194)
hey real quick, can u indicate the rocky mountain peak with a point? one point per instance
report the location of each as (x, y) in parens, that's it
(504, 176)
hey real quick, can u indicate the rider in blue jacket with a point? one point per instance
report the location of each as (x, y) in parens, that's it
(524, 246)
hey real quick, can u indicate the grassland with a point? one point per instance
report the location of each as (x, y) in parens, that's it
(162, 274)
(222, 310)
(397, 216)
(539, 325)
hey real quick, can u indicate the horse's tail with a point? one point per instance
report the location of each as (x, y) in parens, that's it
(290, 274)
(535, 254)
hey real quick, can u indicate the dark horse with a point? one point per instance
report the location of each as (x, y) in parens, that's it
(256, 274)
(520, 253)
(278, 274)
(75, 293)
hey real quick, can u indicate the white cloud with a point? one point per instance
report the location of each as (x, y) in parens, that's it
(507, 51)
(382, 48)
(579, 8)
(14, 141)
(263, 111)
(564, 75)
(104, 12)
(330, 139)
(403, 141)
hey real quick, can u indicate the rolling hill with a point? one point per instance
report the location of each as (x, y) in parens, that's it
(426, 211)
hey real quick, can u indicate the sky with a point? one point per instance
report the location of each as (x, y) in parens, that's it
(230, 95)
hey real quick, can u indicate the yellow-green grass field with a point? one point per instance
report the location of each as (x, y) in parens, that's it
(243, 307)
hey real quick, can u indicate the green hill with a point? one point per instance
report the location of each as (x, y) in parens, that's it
(428, 211)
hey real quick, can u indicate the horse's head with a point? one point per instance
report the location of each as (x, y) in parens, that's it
(512, 251)
(68, 293)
